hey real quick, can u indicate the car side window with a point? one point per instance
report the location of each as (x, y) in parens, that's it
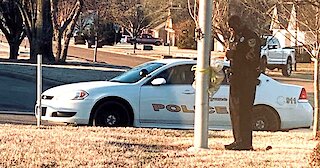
(178, 75)
(181, 75)
(274, 43)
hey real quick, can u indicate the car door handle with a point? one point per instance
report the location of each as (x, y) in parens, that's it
(187, 92)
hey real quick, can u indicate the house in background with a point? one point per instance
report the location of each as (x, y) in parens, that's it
(284, 26)
(166, 31)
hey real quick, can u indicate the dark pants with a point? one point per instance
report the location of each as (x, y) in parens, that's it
(242, 94)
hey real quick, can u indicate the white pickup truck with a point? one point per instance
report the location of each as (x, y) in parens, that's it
(273, 56)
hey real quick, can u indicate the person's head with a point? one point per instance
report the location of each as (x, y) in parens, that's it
(235, 23)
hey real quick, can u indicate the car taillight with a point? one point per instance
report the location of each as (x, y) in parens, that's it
(303, 94)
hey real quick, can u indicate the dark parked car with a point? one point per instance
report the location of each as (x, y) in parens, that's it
(145, 39)
(79, 39)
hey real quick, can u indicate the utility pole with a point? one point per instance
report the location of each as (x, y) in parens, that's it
(202, 72)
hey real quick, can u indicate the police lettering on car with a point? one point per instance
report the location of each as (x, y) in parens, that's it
(183, 108)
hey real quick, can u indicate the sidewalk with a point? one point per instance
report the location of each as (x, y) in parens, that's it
(157, 52)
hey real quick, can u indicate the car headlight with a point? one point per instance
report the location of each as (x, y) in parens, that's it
(73, 95)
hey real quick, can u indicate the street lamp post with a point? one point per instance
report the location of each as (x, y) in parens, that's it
(96, 24)
(116, 29)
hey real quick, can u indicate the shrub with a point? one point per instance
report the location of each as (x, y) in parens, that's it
(303, 58)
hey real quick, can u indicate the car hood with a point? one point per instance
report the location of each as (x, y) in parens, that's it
(86, 86)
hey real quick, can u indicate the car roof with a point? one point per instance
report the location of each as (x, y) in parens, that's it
(186, 60)
(172, 60)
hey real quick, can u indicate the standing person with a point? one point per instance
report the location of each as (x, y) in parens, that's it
(244, 56)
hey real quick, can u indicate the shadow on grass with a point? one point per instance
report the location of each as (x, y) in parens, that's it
(148, 147)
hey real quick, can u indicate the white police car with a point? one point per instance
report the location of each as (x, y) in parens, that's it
(159, 94)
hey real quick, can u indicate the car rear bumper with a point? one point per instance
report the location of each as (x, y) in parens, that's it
(299, 117)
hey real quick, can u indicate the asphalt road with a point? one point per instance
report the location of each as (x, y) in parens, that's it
(17, 94)
(107, 57)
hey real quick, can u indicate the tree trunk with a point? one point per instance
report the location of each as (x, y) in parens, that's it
(63, 29)
(14, 50)
(69, 35)
(41, 42)
(65, 48)
(58, 47)
(47, 33)
(33, 48)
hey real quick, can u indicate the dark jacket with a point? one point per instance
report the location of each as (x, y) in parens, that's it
(245, 56)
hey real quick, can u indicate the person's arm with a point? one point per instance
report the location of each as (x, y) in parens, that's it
(253, 54)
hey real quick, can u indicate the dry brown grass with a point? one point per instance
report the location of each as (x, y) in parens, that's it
(65, 146)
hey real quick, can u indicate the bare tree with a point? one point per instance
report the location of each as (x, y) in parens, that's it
(219, 21)
(136, 15)
(65, 14)
(11, 24)
(222, 10)
(38, 27)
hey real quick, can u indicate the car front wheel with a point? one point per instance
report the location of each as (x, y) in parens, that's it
(111, 114)
(265, 119)
(263, 64)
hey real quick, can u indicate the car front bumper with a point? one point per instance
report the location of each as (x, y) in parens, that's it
(66, 111)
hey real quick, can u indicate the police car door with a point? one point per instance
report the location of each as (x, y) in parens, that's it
(169, 103)
(219, 116)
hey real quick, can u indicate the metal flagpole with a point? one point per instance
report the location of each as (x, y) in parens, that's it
(39, 89)
(202, 79)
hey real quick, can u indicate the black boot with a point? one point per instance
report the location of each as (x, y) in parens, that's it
(230, 146)
(238, 146)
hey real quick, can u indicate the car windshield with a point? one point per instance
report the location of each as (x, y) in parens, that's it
(135, 74)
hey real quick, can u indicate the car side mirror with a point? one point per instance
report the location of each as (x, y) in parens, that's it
(143, 73)
(158, 81)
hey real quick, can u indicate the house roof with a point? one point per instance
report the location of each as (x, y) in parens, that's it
(281, 16)
(176, 17)
(285, 16)
(161, 25)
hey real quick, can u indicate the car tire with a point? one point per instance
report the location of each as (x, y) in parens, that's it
(263, 64)
(264, 118)
(157, 43)
(287, 69)
(111, 114)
